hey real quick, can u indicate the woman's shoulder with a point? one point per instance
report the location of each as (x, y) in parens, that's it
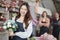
(29, 21)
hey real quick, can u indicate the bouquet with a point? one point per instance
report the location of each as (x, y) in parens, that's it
(10, 24)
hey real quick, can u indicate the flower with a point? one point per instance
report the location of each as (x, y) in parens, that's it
(47, 36)
(10, 25)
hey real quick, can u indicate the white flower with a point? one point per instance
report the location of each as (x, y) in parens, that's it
(4, 27)
(13, 26)
(8, 23)
(8, 26)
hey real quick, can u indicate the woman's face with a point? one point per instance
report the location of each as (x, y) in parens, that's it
(23, 10)
(56, 15)
(44, 14)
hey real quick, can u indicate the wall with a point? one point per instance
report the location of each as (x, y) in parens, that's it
(49, 5)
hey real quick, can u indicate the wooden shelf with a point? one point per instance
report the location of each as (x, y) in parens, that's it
(9, 8)
(4, 13)
(4, 35)
(15, 9)
(2, 19)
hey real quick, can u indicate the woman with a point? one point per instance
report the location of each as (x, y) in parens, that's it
(56, 24)
(44, 23)
(24, 22)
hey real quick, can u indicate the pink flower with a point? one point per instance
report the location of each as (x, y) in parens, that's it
(47, 36)
(42, 37)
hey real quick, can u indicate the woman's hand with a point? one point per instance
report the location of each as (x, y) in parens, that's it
(11, 34)
(37, 6)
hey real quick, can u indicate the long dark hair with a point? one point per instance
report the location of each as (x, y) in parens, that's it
(43, 13)
(27, 16)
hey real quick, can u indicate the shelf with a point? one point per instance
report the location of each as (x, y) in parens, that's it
(1, 22)
(4, 35)
(3, 9)
(2, 19)
(14, 9)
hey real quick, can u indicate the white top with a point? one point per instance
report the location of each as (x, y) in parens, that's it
(27, 32)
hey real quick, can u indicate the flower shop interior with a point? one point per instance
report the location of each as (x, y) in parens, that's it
(10, 8)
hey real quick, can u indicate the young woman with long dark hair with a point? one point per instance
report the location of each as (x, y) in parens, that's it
(44, 23)
(24, 22)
